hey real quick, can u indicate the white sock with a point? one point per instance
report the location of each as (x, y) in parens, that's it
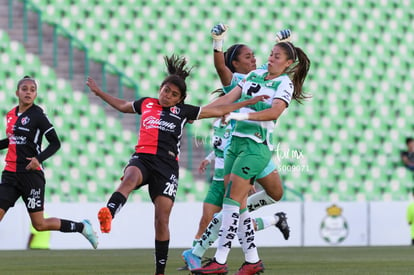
(258, 200)
(209, 236)
(265, 222)
(228, 229)
(246, 237)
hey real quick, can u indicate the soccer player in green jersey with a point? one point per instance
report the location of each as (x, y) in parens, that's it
(251, 147)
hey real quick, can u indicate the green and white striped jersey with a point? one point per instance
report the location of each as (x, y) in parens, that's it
(254, 84)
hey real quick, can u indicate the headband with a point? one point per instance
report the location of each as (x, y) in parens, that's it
(292, 50)
(229, 60)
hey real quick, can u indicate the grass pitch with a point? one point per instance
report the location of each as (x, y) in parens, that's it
(278, 260)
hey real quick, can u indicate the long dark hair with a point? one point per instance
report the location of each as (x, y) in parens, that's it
(232, 54)
(298, 70)
(178, 71)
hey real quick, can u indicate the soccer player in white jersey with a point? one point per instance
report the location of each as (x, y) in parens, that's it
(232, 66)
(251, 146)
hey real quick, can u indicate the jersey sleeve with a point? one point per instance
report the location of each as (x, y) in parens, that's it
(237, 77)
(4, 143)
(44, 123)
(136, 105)
(46, 127)
(285, 91)
(192, 112)
(54, 145)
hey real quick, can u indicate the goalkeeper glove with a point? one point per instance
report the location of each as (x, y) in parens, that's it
(218, 32)
(237, 116)
(283, 35)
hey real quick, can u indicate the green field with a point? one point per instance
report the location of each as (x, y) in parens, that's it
(309, 260)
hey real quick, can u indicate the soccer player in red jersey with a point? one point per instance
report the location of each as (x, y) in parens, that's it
(155, 161)
(23, 174)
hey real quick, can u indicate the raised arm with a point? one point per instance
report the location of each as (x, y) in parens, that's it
(228, 98)
(117, 103)
(222, 70)
(225, 74)
(222, 109)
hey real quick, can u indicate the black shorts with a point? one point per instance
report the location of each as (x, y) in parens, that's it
(28, 185)
(161, 174)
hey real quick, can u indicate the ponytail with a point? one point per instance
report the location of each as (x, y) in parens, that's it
(298, 70)
(178, 71)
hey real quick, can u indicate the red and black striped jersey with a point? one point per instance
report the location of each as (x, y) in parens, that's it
(161, 128)
(25, 133)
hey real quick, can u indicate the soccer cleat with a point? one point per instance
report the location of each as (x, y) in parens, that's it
(192, 261)
(211, 267)
(105, 219)
(250, 269)
(89, 234)
(283, 225)
(183, 268)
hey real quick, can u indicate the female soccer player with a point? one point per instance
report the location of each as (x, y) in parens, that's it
(287, 68)
(155, 161)
(23, 174)
(232, 66)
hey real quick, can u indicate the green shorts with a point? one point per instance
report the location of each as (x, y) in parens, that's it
(246, 158)
(271, 166)
(215, 193)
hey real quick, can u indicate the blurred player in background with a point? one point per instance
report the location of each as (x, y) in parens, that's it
(232, 66)
(251, 149)
(155, 161)
(23, 174)
(410, 218)
(38, 239)
(407, 156)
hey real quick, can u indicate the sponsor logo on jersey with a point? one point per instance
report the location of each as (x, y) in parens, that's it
(175, 110)
(25, 120)
(149, 104)
(153, 122)
(17, 140)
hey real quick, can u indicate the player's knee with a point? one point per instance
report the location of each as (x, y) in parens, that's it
(129, 184)
(2, 212)
(276, 194)
(39, 226)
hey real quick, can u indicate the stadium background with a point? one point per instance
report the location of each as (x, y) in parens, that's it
(343, 145)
